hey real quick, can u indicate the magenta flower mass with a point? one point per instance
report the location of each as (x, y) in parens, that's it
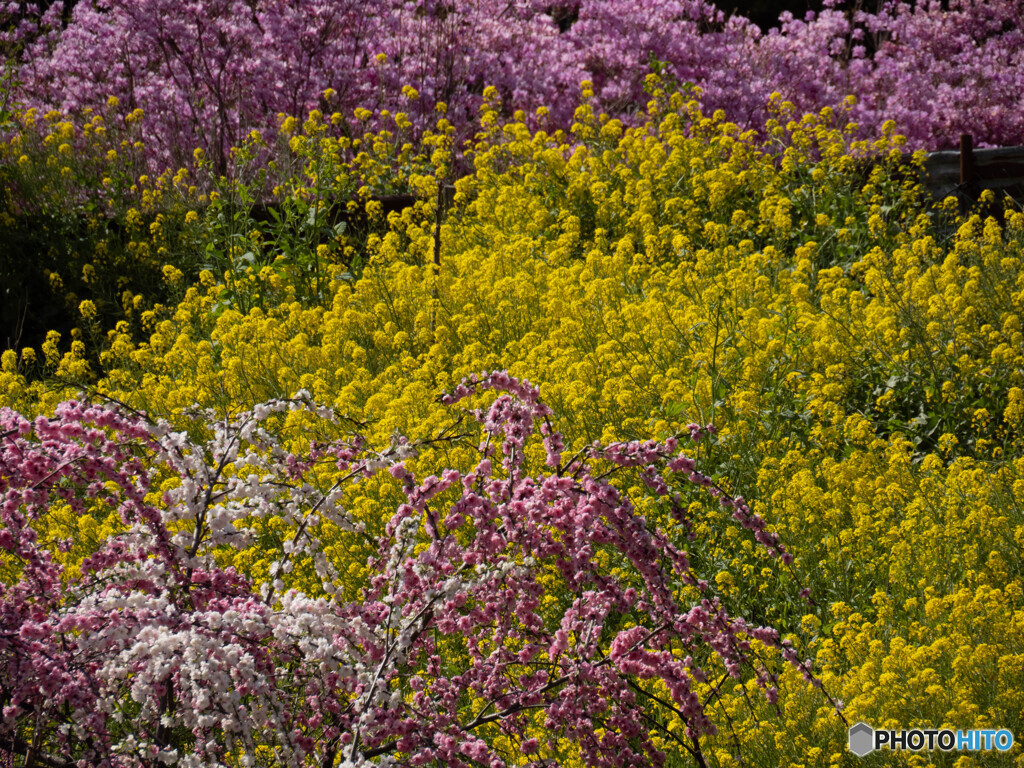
(152, 654)
(204, 73)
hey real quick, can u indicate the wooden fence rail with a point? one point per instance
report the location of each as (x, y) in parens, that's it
(966, 172)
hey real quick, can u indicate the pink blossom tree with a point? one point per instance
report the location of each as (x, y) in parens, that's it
(490, 621)
(207, 71)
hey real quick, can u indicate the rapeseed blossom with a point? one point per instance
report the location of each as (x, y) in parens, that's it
(859, 351)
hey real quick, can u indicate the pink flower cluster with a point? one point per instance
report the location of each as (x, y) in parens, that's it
(207, 71)
(489, 586)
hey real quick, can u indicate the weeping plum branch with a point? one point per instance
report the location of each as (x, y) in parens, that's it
(490, 609)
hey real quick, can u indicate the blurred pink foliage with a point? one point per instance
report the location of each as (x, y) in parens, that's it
(206, 71)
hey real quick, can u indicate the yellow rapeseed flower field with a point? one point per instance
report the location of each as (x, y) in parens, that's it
(859, 349)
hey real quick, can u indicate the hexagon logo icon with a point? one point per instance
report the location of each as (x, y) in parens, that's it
(861, 739)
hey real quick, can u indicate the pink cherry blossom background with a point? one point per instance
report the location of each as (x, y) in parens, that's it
(206, 71)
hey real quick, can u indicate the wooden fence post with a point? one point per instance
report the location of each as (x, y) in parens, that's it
(966, 172)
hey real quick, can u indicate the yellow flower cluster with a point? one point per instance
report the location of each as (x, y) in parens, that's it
(860, 354)
(104, 232)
